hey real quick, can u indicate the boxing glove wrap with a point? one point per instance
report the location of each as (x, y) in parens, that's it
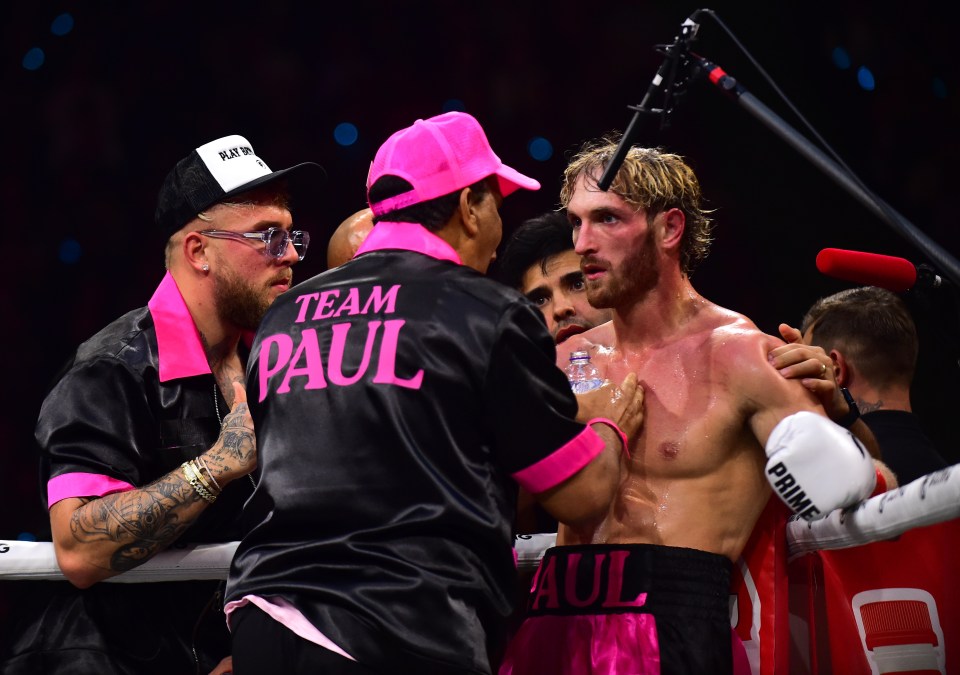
(816, 466)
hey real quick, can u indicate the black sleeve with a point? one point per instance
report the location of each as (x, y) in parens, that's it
(528, 404)
(97, 420)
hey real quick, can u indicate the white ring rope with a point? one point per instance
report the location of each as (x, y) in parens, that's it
(931, 499)
(30, 560)
(20, 560)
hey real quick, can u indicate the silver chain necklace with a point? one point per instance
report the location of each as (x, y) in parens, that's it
(216, 402)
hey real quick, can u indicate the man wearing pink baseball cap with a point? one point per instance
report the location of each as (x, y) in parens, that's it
(398, 400)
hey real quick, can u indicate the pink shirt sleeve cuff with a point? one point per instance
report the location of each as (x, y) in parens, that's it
(83, 485)
(562, 463)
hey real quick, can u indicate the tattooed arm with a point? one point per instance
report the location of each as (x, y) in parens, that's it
(99, 538)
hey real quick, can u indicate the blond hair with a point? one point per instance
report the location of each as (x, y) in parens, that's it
(652, 180)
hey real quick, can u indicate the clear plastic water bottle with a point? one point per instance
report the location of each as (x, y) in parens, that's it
(582, 374)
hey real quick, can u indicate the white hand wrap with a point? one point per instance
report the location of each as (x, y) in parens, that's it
(816, 466)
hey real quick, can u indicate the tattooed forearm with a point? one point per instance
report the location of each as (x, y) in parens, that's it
(236, 437)
(235, 452)
(142, 522)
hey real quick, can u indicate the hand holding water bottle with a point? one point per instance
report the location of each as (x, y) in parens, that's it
(599, 398)
(583, 375)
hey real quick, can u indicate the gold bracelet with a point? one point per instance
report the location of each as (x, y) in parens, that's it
(199, 484)
(209, 474)
(191, 475)
(195, 465)
(203, 481)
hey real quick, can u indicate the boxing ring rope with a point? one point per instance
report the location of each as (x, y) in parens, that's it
(931, 499)
(934, 498)
(36, 561)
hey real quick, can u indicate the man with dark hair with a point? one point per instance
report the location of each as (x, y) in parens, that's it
(539, 261)
(395, 397)
(646, 589)
(135, 454)
(872, 342)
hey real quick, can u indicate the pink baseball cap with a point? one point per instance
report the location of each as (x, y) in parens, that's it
(438, 156)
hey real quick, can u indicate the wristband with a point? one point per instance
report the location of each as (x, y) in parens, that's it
(613, 425)
(881, 486)
(853, 415)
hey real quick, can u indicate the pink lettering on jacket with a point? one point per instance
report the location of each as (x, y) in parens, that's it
(325, 303)
(309, 350)
(339, 345)
(377, 302)
(284, 345)
(304, 302)
(279, 355)
(387, 365)
(351, 305)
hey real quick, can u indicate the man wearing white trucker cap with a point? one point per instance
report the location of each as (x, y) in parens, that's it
(398, 400)
(146, 436)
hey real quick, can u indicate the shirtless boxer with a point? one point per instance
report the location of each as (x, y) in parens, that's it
(646, 590)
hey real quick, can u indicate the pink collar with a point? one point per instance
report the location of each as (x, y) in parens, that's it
(408, 237)
(180, 349)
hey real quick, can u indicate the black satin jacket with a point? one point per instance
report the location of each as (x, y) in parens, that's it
(394, 397)
(111, 418)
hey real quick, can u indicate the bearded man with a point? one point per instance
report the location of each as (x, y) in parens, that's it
(645, 589)
(146, 439)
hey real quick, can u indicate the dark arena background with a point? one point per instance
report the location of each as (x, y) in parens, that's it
(100, 99)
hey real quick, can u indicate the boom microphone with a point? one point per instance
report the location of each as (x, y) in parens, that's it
(662, 81)
(873, 269)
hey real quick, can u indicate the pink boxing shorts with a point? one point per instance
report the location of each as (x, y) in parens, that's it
(617, 609)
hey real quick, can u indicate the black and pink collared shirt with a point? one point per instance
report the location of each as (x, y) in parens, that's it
(135, 403)
(398, 399)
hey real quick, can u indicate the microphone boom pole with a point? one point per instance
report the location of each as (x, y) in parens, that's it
(673, 54)
(946, 263)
